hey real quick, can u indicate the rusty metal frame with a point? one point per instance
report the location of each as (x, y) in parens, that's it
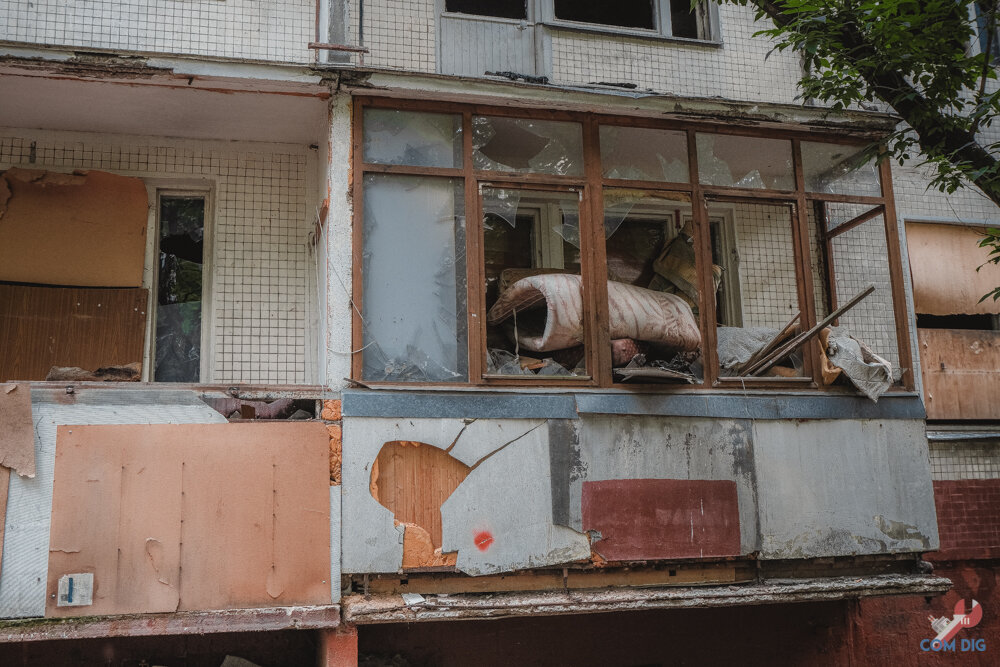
(593, 258)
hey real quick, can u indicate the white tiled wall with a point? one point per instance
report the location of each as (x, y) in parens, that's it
(767, 265)
(737, 70)
(400, 34)
(250, 29)
(261, 267)
(978, 459)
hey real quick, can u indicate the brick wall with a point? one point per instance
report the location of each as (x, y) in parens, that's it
(968, 518)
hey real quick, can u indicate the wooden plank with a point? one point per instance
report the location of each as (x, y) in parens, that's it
(959, 369)
(542, 580)
(192, 516)
(86, 228)
(943, 261)
(4, 488)
(41, 327)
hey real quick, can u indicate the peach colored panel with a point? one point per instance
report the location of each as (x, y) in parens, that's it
(192, 516)
(943, 261)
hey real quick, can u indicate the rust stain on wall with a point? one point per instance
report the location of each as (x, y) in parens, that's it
(192, 516)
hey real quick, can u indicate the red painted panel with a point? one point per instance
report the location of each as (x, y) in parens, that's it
(968, 512)
(642, 519)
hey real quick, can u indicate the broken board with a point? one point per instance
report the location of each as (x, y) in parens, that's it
(182, 517)
(85, 228)
(42, 327)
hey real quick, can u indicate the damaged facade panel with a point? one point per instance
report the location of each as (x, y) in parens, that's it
(241, 510)
(843, 488)
(29, 508)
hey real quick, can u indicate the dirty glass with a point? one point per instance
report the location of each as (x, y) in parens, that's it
(745, 162)
(652, 288)
(534, 294)
(413, 138)
(414, 290)
(757, 299)
(527, 146)
(177, 352)
(644, 154)
(840, 169)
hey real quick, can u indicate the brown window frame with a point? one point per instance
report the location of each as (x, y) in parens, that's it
(592, 183)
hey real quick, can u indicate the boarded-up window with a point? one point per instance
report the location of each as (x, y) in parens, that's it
(943, 262)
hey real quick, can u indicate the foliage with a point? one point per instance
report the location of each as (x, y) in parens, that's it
(927, 60)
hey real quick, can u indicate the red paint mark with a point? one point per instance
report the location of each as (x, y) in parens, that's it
(642, 519)
(483, 540)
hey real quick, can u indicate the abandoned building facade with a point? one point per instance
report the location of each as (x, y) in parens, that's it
(524, 332)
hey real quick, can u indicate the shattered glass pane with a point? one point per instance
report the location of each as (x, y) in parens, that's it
(652, 285)
(534, 295)
(501, 205)
(745, 162)
(413, 138)
(414, 291)
(527, 146)
(840, 169)
(177, 353)
(644, 154)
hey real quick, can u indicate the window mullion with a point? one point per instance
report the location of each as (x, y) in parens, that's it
(703, 264)
(661, 8)
(473, 257)
(595, 273)
(807, 303)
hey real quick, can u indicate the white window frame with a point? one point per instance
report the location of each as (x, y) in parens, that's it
(661, 17)
(155, 189)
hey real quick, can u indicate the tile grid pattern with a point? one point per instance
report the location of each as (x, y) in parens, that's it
(275, 31)
(976, 459)
(260, 264)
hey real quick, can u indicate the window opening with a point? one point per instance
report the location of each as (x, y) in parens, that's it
(181, 251)
(534, 290)
(508, 9)
(624, 14)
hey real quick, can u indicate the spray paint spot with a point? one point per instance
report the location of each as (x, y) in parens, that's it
(483, 540)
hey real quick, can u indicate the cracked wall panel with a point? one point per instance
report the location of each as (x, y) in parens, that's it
(500, 518)
(372, 543)
(676, 448)
(84, 229)
(242, 510)
(481, 437)
(837, 488)
(26, 547)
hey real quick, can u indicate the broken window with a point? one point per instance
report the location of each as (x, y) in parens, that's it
(533, 285)
(594, 258)
(181, 251)
(508, 9)
(414, 324)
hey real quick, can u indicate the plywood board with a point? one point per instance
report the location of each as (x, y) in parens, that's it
(17, 434)
(644, 519)
(190, 517)
(943, 262)
(42, 327)
(959, 368)
(86, 228)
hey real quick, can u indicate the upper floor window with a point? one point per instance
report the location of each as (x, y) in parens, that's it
(509, 247)
(507, 9)
(667, 18)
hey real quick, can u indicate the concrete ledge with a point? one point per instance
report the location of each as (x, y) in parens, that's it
(177, 623)
(393, 609)
(526, 404)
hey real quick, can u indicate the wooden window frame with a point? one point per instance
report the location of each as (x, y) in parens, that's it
(597, 343)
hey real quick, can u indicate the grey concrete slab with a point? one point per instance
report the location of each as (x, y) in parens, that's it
(461, 405)
(500, 518)
(840, 488)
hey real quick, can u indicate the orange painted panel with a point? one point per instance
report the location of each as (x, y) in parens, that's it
(943, 261)
(192, 516)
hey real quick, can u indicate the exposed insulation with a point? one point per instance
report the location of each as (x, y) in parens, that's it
(85, 228)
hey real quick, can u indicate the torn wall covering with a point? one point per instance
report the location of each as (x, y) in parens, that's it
(29, 506)
(242, 510)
